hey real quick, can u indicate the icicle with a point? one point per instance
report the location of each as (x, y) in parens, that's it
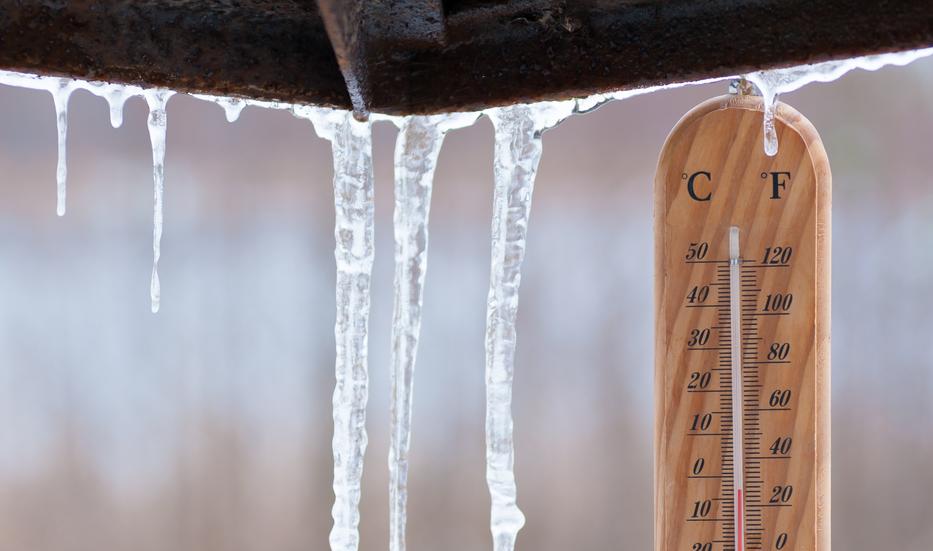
(773, 83)
(116, 97)
(353, 201)
(768, 129)
(767, 83)
(114, 94)
(60, 96)
(157, 99)
(518, 151)
(232, 106)
(351, 142)
(416, 151)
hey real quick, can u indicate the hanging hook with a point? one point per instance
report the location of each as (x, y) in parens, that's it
(741, 87)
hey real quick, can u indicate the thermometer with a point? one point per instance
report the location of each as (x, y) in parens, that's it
(742, 261)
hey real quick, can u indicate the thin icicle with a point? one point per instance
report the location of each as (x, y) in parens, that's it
(768, 128)
(116, 97)
(416, 151)
(353, 201)
(114, 94)
(157, 99)
(232, 106)
(518, 151)
(60, 96)
(773, 83)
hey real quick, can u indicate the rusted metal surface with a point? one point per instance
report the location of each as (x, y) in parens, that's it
(495, 54)
(423, 56)
(269, 49)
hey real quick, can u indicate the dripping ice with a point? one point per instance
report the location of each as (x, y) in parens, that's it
(351, 142)
(353, 202)
(157, 100)
(416, 151)
(60, 96)
(518, 149)
(232, 106)
(116, 97)
(779, 81)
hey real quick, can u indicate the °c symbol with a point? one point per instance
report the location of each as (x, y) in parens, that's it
(692, 185)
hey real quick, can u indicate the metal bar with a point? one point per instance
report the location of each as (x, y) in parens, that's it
(426, 56)
(555, 50)
(264, 49)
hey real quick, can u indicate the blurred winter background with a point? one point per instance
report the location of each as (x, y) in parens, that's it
(207, 427)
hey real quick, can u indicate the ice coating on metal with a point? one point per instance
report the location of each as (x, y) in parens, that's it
(232, 106)
(780, 81)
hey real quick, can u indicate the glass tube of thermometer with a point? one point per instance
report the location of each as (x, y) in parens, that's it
(742, 334)
(735, 359)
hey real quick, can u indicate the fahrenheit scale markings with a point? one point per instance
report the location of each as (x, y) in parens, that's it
(742, 351)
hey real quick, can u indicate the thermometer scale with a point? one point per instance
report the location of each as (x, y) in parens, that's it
(742, 333)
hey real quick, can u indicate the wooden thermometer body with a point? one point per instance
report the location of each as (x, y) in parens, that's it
(742, 333)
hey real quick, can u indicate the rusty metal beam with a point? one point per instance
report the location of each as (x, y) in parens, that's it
(267, 49)
(517, 51)
(423, 56)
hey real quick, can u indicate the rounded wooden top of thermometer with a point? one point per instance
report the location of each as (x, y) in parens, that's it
(742, 336)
